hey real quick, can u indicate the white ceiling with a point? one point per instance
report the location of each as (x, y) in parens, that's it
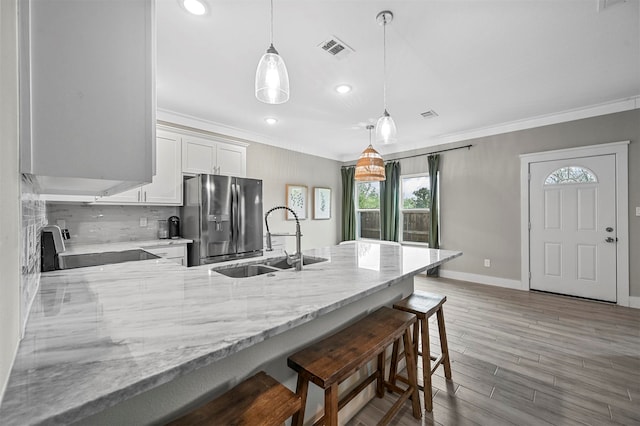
(478, 63)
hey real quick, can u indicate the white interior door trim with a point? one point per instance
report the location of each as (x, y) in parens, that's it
(620, 150)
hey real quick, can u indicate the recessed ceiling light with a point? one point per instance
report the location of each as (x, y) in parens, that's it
(197, 7)
(271, 120)
(343, 88)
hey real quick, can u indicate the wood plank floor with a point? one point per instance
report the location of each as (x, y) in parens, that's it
(528, 358)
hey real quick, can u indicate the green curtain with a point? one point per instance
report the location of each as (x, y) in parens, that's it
(434, 231)
(389, 199)
(348, 205)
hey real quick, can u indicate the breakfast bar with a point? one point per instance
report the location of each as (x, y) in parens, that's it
(142, 342)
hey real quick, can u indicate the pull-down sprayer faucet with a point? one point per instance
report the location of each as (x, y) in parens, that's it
(296, 259)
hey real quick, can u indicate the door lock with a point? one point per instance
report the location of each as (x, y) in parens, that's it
(609, 229)
(611, 240)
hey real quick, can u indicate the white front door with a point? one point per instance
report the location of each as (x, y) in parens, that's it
(572, 216)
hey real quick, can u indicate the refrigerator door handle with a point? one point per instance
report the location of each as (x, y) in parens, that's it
(234, 217)
(237, 216)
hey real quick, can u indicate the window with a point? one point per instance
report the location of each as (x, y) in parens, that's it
(571, 174)
(415, 197)
(368, 210)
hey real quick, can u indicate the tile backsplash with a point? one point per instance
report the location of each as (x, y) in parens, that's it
(34, 217)
(95, 224)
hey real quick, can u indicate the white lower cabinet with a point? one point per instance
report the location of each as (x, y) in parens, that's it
(166, 187)
(176, 253)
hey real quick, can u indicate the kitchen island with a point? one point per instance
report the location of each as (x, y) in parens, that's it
(141, 342)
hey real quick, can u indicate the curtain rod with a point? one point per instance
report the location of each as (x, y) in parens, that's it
(426, 153)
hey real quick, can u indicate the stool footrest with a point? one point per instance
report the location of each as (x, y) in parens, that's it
(396, 406)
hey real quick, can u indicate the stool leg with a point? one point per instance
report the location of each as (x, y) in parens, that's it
(394, 363)
(380, 378)
(412, 373)
(444, 347)
(416, 340)
(331, 405)
(426, 364)
(301, 389)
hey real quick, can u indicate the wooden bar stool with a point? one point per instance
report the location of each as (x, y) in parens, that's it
(259, 400)
(332, 360)
(424, 305)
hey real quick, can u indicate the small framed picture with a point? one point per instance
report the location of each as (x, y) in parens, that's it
(321, 203)
(296, 201)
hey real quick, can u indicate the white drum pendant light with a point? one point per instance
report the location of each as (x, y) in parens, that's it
(370, 166)
(386, 132)
(272, 79)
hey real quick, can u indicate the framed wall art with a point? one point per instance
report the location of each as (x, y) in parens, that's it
(296, 201)
(321, 203)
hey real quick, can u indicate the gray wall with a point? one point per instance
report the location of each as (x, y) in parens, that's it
(278, 167)
(480, 190)
(9, 191)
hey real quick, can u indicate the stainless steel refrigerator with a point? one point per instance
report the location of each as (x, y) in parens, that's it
(223, 217)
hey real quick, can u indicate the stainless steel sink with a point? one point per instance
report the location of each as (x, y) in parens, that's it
(281, 262)
(265, 267)
(244, 271)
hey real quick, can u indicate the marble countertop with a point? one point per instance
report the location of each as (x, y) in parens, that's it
(71, 249)
(100, 335)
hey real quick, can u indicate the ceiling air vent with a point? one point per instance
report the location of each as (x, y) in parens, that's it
(603, 4)
(336, 48)
(429, 114)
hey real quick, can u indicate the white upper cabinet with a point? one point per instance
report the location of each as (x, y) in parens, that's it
(199, 155)
(87, 94)
(232, 160)
(212, 156)
(166, 186)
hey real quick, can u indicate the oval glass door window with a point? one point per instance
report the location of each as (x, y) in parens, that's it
(571, 174)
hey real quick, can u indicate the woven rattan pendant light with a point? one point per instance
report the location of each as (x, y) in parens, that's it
(370, 166)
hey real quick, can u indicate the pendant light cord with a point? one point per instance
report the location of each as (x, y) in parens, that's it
(271, 22)
(384, 61)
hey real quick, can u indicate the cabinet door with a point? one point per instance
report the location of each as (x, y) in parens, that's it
(232, 160)
(87, 94)
(166, 186)
(198, 155)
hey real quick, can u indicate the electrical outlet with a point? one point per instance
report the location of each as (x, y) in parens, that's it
(143, 221)
(487, 263)
(637, 211)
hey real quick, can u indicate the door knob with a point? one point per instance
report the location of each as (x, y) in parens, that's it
(609, 229)
(611, 240)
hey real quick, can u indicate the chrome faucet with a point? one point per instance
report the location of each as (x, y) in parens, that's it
(296, 259)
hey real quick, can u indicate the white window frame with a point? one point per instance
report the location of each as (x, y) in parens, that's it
(401, 210)
(358, 210)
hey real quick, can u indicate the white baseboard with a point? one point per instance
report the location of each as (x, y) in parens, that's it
(634, 302)
(482, 279)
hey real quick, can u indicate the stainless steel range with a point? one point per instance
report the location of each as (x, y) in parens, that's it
(106, 258)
